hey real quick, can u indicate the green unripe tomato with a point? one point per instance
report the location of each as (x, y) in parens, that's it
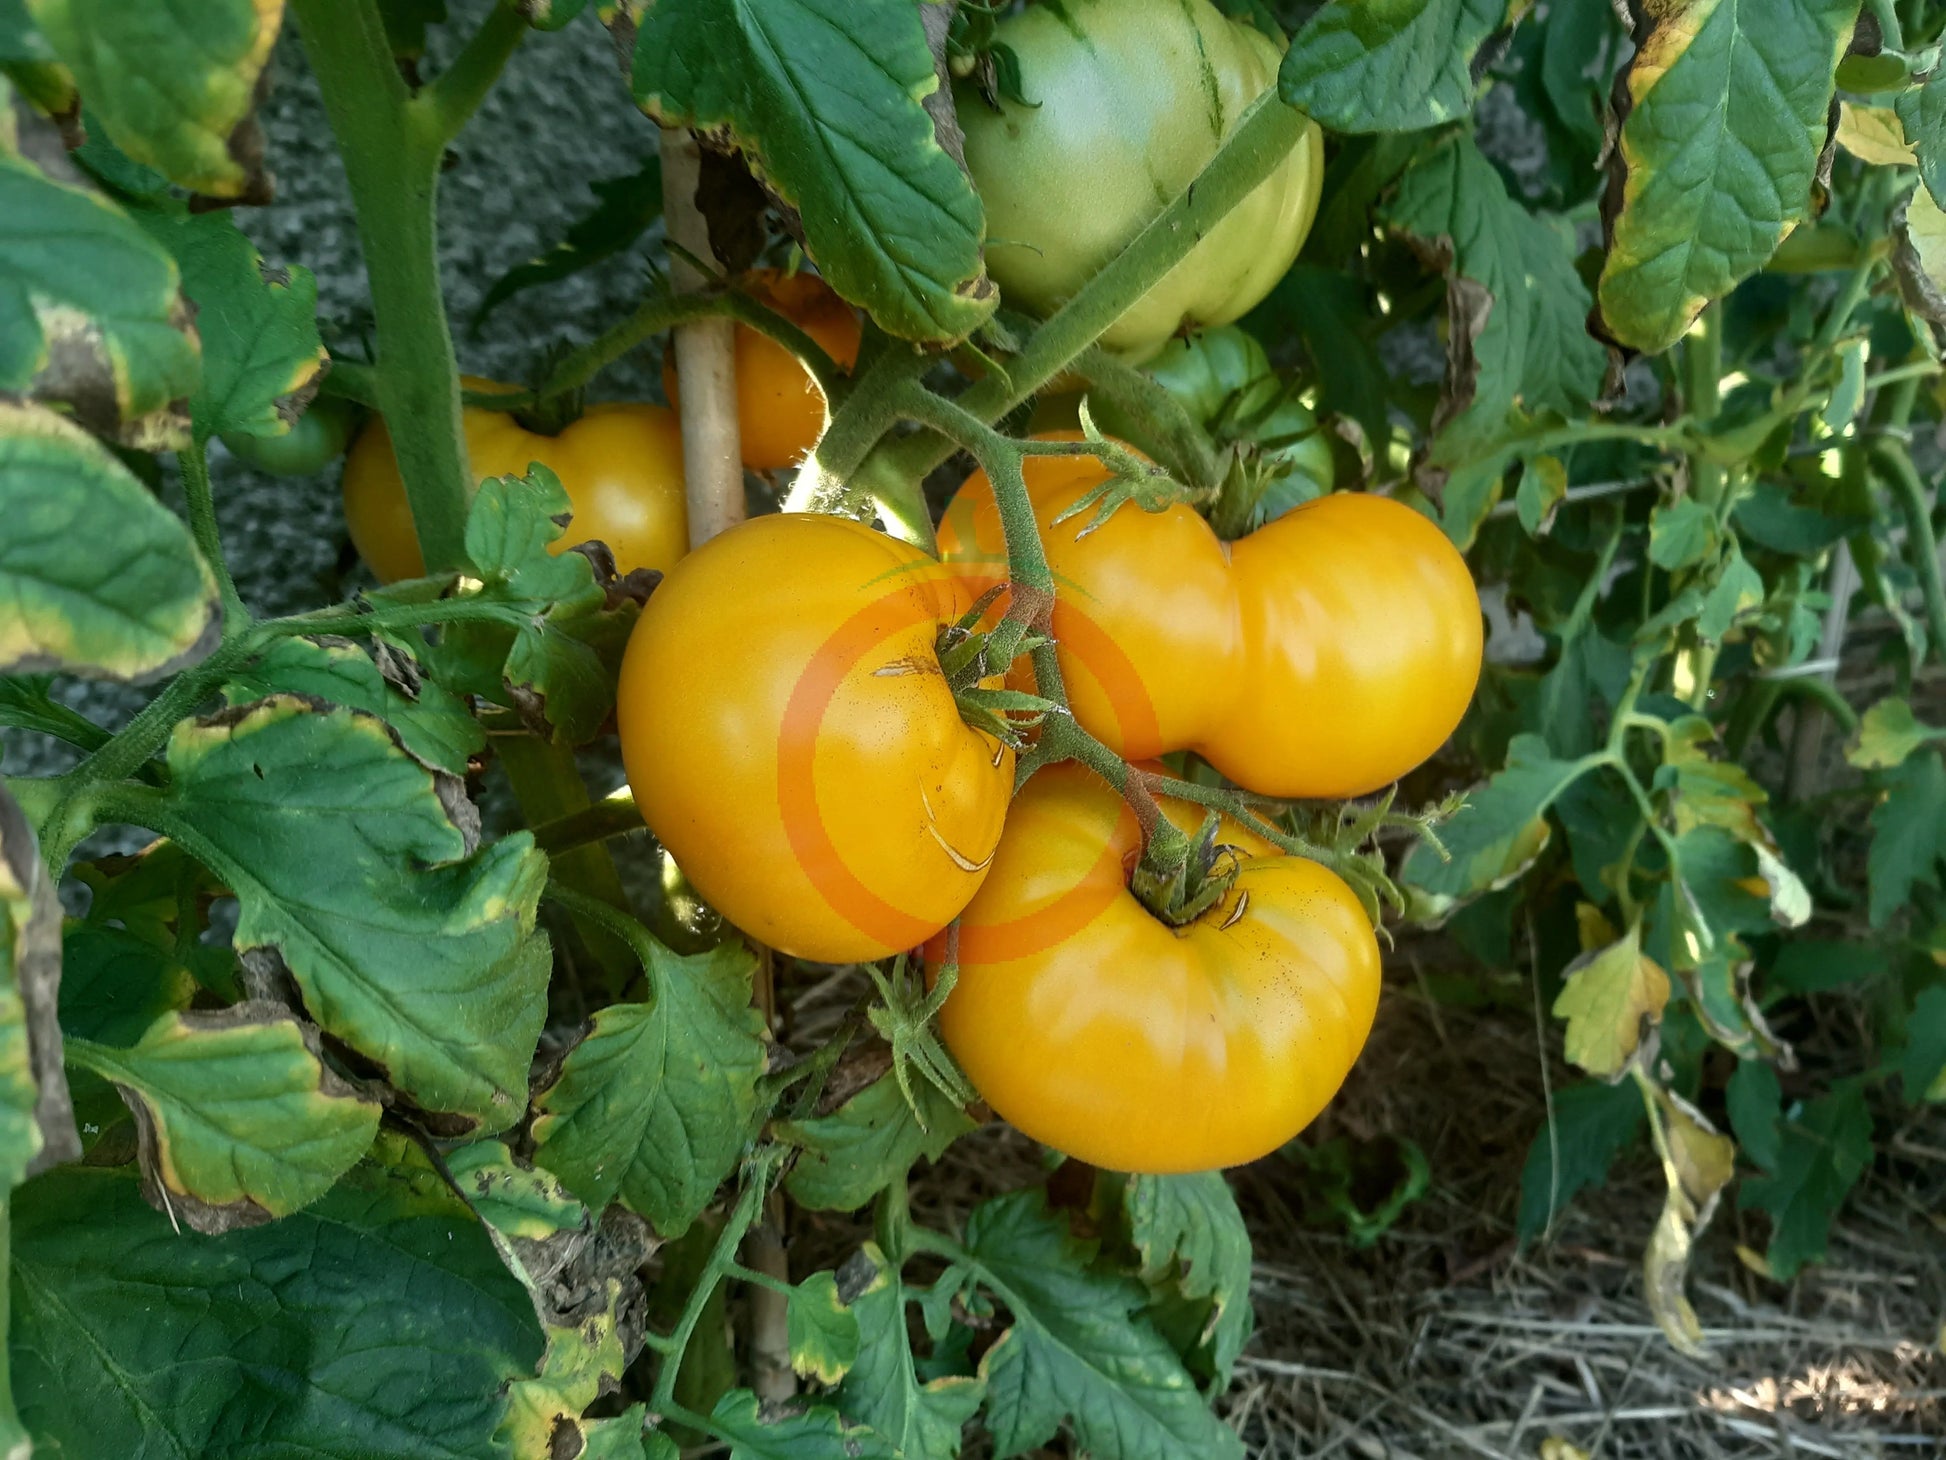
(1131, 99)
(315, 440)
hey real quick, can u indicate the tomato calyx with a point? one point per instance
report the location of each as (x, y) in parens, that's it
(1132, 478)
(969, 656)
(1181, 875)
(904, 1020)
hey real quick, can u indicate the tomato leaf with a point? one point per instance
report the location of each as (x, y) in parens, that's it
(1607, 995)
(1756, 1104)
(96, 576)
(883, 1388)
(1821, 1155)
(1400, 67)
(1718, 153)
(823, 97)
(175, 86)
(1593, 1123)
(91, 317)
(1681, 533)
(376, 1325)
(239, 1119)
(656, 1103)
(1698, 1163)
(1192, 1243)
(1922, 117)
(258, 325)
(851, 1154)
(1888, 735)
(1502, 828)
(1908, 835)
(1076, 1351)
(356, 867)
(624, 209)
(800, 1432)
(1517, 311)
(822, 1329)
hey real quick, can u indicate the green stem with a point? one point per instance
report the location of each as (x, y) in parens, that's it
(202, 526)
(1158, 416)
(1269, 130)
(1922, 547)
(392, 146)
(451, 100)
(1702, 365)
(722, 1259)
(611, 816)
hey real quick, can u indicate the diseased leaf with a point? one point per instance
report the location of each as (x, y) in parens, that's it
(1728, 110)
(1393, 67)
(1075, 1353)
(851, 1154)
(1697, 1163)
(96, 576)
(351, 864)
(1822, 1154)
(515, 1200)
(239, 1119)
(1607, 996)
(375, 1325)
(1922, 117)
(1738, 590)
(91, 317)
(1502, 828)
(258, 325)
(1517, 311)
(883, 1388)
(1191, 1238)
(174, 85)
(1873, 134)
(823, 1331)
(1681, 534)
(1888, 735)
(823, 97)
(1919, 254)
(656, 1103)
(799, 1432)
(1593, 1123)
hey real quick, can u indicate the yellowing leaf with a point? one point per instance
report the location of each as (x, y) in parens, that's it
(1607, 996)
(1887, 734)
(1697, 1162)
(1873, 134)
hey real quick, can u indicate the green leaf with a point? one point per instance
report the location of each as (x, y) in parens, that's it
(435, 727)
(406, 22)
(1738, 589)
(823, 1331)
(514, 1199)
(1517, 308)
(1771, 518)
(1756, 1105)
(1908, 835)
(1191, 1238)
(817, 1432)
(1394, 67)
(1719, 151)
(656, 1103)
(1888, 735)
(239, 1119)
(258, 325)
(1922, 1058)
(351, 865)
(174, 85)
(1681, 534)
(624, 209)
(116, 983)
(1922, 116)
(1822, 1155)
(922, 1421)
(1076, 1352)
(1543, 485)
(1593, 1123)
(30, 956)
(90, 314)
(376, 1325)
(851, 1154)
(96, 576)
(1502, 828)
(823, 97)
(1607, 996)
(1818, 965)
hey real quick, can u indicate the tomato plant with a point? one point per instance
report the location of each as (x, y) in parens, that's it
(1503, 505)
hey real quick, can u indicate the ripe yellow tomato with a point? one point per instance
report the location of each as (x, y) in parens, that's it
(1324, 655)
(791, 739)
(620, 463)
(780, 410)
(1099, 1029)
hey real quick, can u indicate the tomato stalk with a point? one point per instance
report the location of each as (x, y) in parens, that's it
(393, 144)
(194, 465)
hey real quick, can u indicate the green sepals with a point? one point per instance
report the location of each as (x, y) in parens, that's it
(1132, 477)
(904, 1019)
(1181, 877)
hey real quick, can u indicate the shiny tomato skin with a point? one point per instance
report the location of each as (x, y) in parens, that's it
(1322, 656)
(791, 740)
(620, 463)
(780, 410)
(1098, 1029)
(1128, 100)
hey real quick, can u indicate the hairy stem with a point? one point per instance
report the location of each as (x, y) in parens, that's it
(194, 464)
(1922, 546)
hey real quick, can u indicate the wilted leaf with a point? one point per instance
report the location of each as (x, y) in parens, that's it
(1919, 254)
(1728, 111)
(355, 865)
(1697, 1163)
(823, 97)
(1397, 67)
(1607, 996)
(239, 1119)
(173, 84)
(656, 1103)
(870, 1140)
(96, 576)
(1922, 117)
(1873, 134)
